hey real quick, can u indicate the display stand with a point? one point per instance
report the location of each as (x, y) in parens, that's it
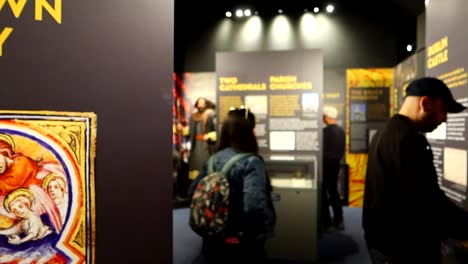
(295, 195)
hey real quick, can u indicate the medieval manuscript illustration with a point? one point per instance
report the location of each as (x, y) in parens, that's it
(47, 187)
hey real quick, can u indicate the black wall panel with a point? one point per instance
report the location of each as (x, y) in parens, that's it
(114, 58)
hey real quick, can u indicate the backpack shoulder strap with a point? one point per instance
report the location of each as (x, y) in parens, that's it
(211, 164)
(233, 160)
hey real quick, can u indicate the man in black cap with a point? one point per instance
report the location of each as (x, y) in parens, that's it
(406, 217)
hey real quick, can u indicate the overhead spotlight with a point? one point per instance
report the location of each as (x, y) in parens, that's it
(316, 9)
(426, 2)
(247, 12)
(228, 14)
(330, 8)
(239, 13)
(409, 47)
(280, 11)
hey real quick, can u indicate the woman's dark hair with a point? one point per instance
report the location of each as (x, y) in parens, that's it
(237, 131)
(210, 105)
(198, 100)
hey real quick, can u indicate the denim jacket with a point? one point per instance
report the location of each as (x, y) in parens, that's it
(250, 198)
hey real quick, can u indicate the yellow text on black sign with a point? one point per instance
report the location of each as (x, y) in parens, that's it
(366, 95)
(17, 7)
(232, 84)
(288, 82)
(437, 53)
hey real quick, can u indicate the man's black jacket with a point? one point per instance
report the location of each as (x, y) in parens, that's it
(405, 214)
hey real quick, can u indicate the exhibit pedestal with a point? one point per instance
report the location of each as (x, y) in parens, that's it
(295, 197)
(296, 227)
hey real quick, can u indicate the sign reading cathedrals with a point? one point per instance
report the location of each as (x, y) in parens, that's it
(283, 89)
(47, 187)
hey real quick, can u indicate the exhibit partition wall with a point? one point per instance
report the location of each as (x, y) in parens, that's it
(447, 59)
(334, 95)
(368, 94)
(284, 91)
(109, 61)
(406, 71)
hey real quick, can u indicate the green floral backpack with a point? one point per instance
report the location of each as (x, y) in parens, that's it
(209, 208)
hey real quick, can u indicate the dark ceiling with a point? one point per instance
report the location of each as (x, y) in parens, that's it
(402, 7)
(413, 7)
(394, 9)
(194, 19)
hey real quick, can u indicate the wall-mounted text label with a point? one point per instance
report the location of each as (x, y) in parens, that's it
(3, 37)
(17, 7)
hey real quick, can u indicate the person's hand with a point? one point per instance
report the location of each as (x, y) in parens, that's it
(14, 239)
(179, 126)
(210, 136)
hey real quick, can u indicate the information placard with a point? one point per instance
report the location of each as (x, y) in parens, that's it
(283, 89)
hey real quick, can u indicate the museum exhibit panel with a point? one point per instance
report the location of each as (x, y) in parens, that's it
(285, 98)
(446, 58)
(77, 75)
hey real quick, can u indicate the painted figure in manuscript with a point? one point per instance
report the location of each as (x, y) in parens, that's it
(47, 187)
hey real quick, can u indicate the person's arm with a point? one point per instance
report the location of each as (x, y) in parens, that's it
(456, 218)
(210, 128)
(9, 182)
(326, 143)
(30, 234)
(192, 129)
(211, 123)
(415, 188)
(258, 209)
(415, 177)
(421, 192)
(342, 142)
(35, 230)
(22, 171)
(14, 230)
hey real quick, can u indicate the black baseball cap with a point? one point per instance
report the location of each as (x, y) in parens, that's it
(433, 87)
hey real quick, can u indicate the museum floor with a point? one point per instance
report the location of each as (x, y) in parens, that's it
(346, 246)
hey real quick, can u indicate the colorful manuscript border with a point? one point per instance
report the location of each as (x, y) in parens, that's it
(65, 141)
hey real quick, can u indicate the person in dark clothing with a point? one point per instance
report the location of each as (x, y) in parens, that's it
(333, 151)
(406, 216)
(202, 135)
(252, 215)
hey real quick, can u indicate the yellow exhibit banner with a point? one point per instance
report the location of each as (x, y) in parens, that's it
(362, 78)
(47, 212)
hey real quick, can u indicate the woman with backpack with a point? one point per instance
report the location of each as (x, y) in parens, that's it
(251, 215)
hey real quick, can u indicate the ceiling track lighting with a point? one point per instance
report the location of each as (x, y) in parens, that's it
(239, 13)
(247, 12)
